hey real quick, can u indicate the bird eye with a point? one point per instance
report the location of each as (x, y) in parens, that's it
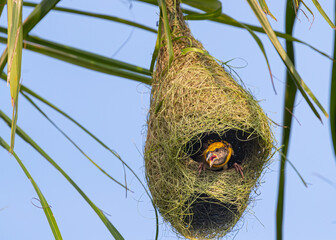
(216, 150)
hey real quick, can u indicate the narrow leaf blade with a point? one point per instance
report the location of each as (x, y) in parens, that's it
(226, 19)
(34, 17)
(305, 91)
(265, 8)
(290, 96)
(45, 206)
(97, 15)
(2, 5)
(213, 8)
(37, 15)
(167, 32)
(71, 141)
(114, 232)
(323, 13)
(14, 43)
(40, 98)
(86, 59)
(156, 48)
(333, 98)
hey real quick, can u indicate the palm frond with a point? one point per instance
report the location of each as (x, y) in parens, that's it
(14, 43)
(290, 95)
(97, 15)
(85, 59)
(45, 206)
(114, 232)
(333, 99)
(303, 88)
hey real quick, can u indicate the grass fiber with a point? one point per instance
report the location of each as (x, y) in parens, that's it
(195, 100)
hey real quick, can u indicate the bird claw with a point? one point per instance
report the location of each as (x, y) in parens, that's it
(201, 168)
(239, 169)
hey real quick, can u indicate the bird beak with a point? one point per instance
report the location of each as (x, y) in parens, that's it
(210, 159)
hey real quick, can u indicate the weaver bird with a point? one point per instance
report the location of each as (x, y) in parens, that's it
(217, 156)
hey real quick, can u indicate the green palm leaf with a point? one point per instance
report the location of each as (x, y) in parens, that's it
(303, 88)
(85, 59)
(324, 15)
(73, 143)
(14, 43)
(114, 232)
(2, 5)
(333, 99)
(24, 89)
(97, 15)
(45, 206)
(205, 10)
(290, 95)
(265, 8)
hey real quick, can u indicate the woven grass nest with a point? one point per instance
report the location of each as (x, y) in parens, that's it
(192, 101)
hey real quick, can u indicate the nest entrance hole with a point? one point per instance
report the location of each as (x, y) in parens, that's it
(242, 144)
(206, 213)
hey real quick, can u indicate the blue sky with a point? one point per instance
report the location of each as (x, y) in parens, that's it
(115, 110)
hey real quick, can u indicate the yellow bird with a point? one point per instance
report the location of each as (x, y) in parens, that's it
(217, 156)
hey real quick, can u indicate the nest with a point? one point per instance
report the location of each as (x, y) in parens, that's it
(192, 101)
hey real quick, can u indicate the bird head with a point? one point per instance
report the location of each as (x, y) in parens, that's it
(218, 154)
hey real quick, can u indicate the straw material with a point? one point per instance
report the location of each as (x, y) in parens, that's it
(195, 101)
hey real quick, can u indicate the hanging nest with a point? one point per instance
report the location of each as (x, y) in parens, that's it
(194, 101)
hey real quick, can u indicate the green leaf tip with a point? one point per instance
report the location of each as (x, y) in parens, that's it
(265, 8)
(303, 88)
(14, 43)
(323, 13)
